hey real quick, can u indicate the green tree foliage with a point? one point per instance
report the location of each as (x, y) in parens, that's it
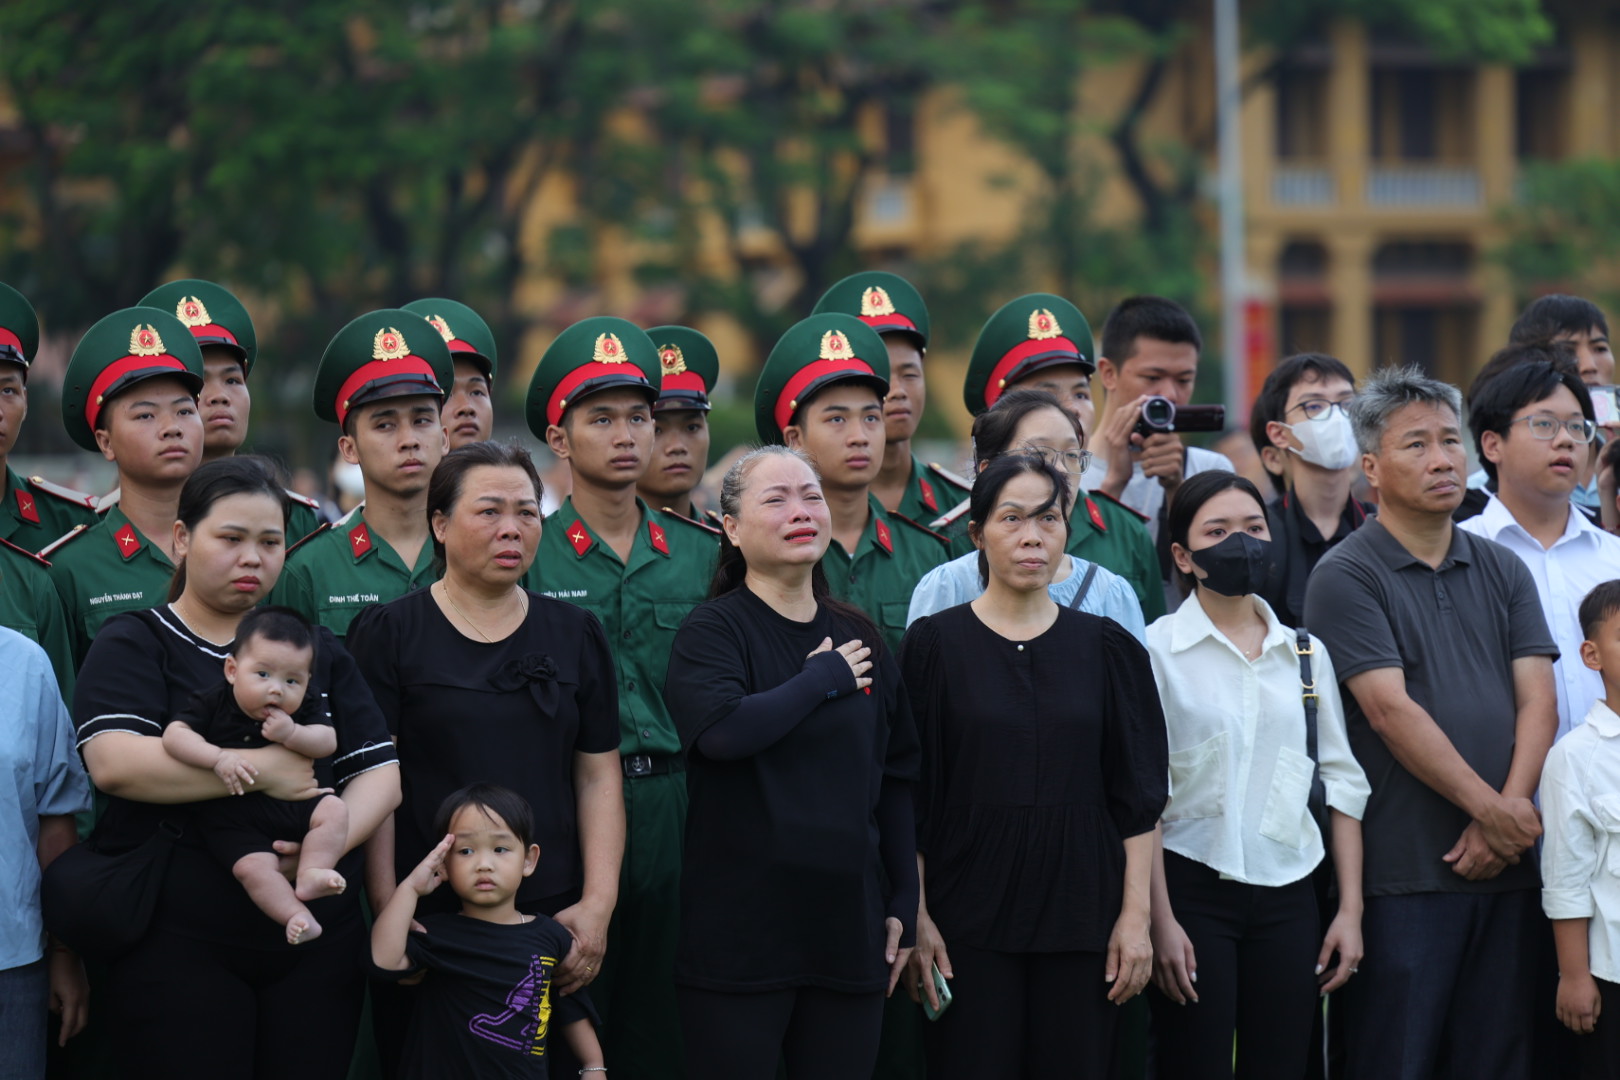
(1560, 231)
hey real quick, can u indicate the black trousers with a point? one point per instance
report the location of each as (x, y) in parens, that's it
(1024, 1015)
(1256, 949)
(180, 1008)
(1600, 1051)
(818, 1034)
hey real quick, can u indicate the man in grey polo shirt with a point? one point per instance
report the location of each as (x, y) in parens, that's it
(1446, 663)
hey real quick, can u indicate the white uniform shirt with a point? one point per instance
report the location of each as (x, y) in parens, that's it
(1580, 850)
(1240, 774)
(1581, 559)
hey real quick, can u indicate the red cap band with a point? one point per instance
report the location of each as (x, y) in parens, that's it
(788, 400)
(214, 332)
(688, 381)
(117, 370)
(1017, 355)
(457, 345)
(585, 373)
(894, 321)
(379, 369)
(8, 338)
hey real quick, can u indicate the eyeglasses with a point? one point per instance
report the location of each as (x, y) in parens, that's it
(1545, 427)
(1075, 461)
(1316, 408)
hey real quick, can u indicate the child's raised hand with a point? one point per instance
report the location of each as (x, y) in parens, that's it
(429, 873)
(234, 769)
(278, 726)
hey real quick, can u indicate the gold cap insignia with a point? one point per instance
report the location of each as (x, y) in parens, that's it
(1043, 324)
(609, 350)
(389, 344)
(673, 359)
(835, 346)
(190, 311)
(875, 301)
(438, 323)
(144, 341)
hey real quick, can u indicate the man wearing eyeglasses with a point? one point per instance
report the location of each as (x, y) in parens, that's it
(1533, 426)
(1303, 411)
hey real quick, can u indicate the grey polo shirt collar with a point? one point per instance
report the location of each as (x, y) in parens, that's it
(1394, 553)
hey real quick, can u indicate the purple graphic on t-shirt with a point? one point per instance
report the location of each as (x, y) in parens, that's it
(528, 1001)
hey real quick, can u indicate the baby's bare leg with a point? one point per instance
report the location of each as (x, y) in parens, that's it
(258, 874)
(322, 848)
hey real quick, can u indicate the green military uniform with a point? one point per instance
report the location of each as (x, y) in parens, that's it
(30, 606)
(641, 603)
(342, 568)
(109, 567)
(689, 366)
(216, 317)
(463, 331)
(931, 492)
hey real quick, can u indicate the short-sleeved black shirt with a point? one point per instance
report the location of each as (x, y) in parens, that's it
(1455, 630)
(512, 712)
(214, 714)
(142, 670)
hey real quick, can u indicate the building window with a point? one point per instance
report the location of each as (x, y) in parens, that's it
(1304, 304)
(1426, 308)
(1302, 114)
(1542, 100)
(1422, 115)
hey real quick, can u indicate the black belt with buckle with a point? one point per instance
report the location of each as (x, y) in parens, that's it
(638, 765)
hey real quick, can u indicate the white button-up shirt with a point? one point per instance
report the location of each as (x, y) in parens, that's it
(1581, 559)
(1240, 774)
(1580, 849)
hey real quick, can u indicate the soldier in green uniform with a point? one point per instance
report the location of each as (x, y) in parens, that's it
(469, 411)
(1042, 342)
(224, 332)
(680, 452)
(892, 306)
(822, 392)
(381, 381)
(30, 606)
(640, 572)
(33, 512)
(130, 394)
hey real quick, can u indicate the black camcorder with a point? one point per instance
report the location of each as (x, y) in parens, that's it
(1160, 416)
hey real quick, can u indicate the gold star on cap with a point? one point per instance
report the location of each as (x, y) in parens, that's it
(190, 311)
(673, 359)
(144, 341)
(609, 350)
(438, 323)
(1043, 324)
(875, 301)
(835, 346)
(389, 344)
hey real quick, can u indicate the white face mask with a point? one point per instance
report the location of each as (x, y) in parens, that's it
(1328, 441)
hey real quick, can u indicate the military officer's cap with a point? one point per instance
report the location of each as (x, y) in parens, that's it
(125, 348)
(594, 354)
(213, 315)
(886, 302)
(19, 328)
(822, 350)
(1030, 333)
(689, 367)
(465, 334)
(384, 354)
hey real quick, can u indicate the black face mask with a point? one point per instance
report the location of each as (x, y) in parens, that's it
(1237, 566)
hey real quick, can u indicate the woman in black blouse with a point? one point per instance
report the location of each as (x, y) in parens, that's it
(213, 986)
(1044, 772)
(483, 681)
(799, 882)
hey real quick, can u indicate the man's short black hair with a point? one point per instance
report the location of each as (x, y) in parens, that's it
(493, 801)
(1600, 605)
(273, 623)
(1558, 353)
(1494, 401)
(1550, 316)
(1150, 317)
(1273, 396)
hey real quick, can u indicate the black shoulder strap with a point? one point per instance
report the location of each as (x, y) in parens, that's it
(1307, 683)
(1085, 587)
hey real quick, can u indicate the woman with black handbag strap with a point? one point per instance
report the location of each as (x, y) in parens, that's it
(212, 983)
(1238, 946)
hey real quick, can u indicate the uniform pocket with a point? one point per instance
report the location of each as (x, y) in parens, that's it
(1198, 780)
(669, 616)
(892, 617)
(1607, 809)
(1288, 803)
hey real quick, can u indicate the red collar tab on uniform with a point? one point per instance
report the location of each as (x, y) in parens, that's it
(26, 507)
(885, 541)
(580, 537)
(928, 495)
(128, 540)
(659, 542)
(360, 540)
(1095, 515)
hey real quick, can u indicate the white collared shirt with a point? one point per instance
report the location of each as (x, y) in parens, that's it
(1144, 493)
(1580, 849)
(1581, 559)
(1240, 774)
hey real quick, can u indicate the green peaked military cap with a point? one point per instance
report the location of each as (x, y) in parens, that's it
(382, 354)
(813, 354)
(594, 354)
(690, 365)
(19, 328)
(464, 332)
(1030, 333)
(125, 348)
(886, 302)
(212, 313)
